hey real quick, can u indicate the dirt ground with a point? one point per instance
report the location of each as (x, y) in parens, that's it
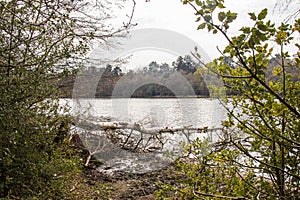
(122, 185)
(93, 184)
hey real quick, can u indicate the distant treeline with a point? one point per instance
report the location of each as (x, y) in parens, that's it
(155, 80)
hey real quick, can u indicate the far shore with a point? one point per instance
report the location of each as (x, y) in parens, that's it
(146, 97)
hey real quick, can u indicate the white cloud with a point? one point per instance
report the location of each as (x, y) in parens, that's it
(173, 15)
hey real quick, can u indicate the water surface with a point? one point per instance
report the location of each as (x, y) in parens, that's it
(150, 113)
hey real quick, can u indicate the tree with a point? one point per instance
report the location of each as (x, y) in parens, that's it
(164, 68)
(41, 43)
(258, 156)
(185, 64)
(153, 67)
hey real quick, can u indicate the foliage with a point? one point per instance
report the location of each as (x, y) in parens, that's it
(166, 75)
(185, 64)
(212, 174)
(41, 43)
(258, 158)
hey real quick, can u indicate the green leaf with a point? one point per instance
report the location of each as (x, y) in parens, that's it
(221, 16)
(260, 35)
(251, 43)
(199, 3)
(201, 26)
(263, 14)
(245, 30)
(207, 18)
(200, 12)
(209, 27)
(226, 26)
(221, 5)
(198, 19)
(231, 16)
(252, 16)
(262, 27)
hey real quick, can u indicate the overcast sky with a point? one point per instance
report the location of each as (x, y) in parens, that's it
(173, 15)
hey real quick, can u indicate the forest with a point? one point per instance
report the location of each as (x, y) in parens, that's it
(182, 68)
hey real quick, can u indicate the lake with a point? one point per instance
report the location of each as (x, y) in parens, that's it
(150, 113)
(155, 112)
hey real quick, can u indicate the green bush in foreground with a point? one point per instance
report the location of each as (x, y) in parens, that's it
(258, 157)
(42, 42)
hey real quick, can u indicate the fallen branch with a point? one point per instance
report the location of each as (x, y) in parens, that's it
(132, 137)
(90, 125)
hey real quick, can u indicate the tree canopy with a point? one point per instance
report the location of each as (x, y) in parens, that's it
(258, 155)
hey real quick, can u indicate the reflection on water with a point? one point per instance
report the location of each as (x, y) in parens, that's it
(156, 112)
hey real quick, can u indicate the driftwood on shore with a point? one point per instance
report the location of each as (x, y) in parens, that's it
(133, 137)
(91, 125)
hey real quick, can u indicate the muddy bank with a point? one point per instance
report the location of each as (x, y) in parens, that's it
(122, 185)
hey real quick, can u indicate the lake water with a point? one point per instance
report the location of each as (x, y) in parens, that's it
(150, 113)
(155, 112)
